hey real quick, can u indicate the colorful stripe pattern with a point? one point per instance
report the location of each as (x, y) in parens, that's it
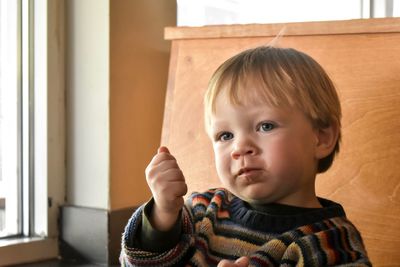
(210, 234)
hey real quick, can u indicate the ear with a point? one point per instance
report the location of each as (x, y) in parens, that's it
(326, 140)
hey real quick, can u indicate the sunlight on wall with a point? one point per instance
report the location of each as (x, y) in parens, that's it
(208, 12)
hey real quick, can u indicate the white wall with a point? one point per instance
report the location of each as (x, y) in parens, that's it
(88, 103)
(209, 12)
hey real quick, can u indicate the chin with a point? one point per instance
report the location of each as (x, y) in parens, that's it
(257, 201)
(254, 199)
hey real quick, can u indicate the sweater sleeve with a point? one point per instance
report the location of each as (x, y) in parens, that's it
(133, 254)
(333, 242)
(153, 240)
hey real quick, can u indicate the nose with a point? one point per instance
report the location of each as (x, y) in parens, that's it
(243, 147)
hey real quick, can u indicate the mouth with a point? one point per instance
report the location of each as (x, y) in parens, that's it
(248, 171)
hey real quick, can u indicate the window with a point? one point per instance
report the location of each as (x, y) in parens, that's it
(32, 132)
(10, 118)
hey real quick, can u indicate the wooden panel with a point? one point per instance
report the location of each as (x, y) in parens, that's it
(365, 178)
(357, 26)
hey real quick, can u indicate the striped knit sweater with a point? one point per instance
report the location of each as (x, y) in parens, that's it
(217, 225)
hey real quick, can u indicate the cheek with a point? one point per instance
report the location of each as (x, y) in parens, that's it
(286, 155)
(221, 160)
(280, 153)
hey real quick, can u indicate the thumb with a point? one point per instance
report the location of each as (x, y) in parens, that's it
(162, 149)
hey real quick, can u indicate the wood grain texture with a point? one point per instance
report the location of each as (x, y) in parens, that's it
(357, 26)
(365, 177)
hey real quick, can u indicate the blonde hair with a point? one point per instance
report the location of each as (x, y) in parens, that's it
(278, 77)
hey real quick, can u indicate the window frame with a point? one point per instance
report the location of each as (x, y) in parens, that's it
(48, 139)
(11, 142)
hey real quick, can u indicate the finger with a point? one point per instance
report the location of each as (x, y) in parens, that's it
(164, 165)
(165, 172)
(225, 263)
(172, 174)
(163, 149)
(161, 158)
(168, 186)
(242, 261)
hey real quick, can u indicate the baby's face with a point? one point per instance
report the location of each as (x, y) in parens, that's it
(264, 154)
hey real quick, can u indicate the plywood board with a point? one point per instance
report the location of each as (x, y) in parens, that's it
(365, 66)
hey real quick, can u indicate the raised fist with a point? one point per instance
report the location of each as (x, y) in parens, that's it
(168, 186)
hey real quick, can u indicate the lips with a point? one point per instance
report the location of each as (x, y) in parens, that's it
(248, 171)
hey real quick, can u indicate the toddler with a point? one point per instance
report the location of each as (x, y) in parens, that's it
(273, 117)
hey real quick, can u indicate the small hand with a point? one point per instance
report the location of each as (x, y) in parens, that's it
(241, 262)
(168, 186)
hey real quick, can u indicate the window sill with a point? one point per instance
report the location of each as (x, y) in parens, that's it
(24, 250)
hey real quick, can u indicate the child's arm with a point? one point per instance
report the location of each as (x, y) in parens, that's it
(168, 186)
(134, 254)
(165, 214)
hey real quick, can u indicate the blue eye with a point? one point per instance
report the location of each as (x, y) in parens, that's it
(266, 127)
(225, 136)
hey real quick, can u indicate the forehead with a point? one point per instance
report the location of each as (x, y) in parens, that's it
(251, 92)
(251, 100)
(226, 110)
(251, 96)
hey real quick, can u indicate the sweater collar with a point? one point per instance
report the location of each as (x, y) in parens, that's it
(279, 209)
(280, 218)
